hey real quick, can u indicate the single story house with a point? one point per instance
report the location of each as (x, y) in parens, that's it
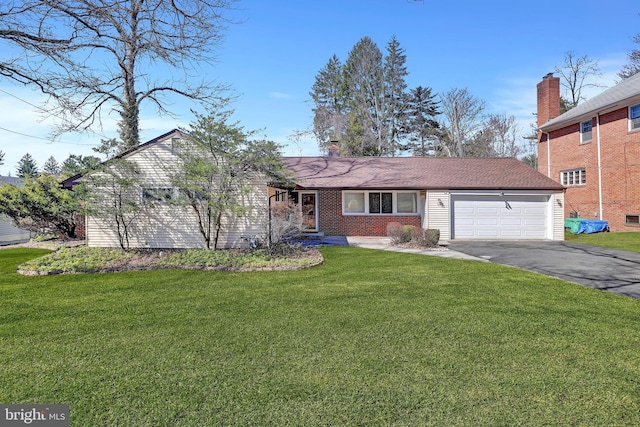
(8, 233)
(465, 198)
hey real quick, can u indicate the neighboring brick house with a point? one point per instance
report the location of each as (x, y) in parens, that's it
(594, 151)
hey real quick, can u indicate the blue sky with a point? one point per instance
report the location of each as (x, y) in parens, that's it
(498, 50)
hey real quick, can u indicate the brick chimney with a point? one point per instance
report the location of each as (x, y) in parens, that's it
(334, 149)
(548, 99)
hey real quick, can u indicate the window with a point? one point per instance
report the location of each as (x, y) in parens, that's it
(586, 131)
(380, 202)
(157, 194)
(354, 202)
(634, 117)
(407, 203)
(176, 145)
(574, 177)
(632, 219)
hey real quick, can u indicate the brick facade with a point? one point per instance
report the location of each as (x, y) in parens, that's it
(620, 166)
(333, 223)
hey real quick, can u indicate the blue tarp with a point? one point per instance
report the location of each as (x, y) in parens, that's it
(587, 226)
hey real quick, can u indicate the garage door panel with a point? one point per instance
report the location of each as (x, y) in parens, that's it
(484, 211)
(511, 221)
(500, 217)
(486, 233)
(487, 221)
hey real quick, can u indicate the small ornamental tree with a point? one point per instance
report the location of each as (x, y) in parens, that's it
(218, 162)
(112, 195)
(41, 205)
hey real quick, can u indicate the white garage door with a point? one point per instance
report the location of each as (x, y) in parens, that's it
(500, 217)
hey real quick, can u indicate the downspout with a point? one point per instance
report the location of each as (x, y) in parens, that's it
(548, 153)
(599, 166)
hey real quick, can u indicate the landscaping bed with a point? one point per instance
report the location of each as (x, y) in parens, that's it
(83, 259)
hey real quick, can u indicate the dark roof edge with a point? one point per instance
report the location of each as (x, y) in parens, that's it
(73, 180)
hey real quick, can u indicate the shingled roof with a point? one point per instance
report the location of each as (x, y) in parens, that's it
(616, 97)
(423, 173)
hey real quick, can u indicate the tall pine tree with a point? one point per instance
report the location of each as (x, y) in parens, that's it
(395, 72)
(27, 167)
(420, 124)
(51, 167)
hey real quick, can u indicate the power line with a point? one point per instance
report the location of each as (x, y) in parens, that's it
(40, 138)
(49, 113)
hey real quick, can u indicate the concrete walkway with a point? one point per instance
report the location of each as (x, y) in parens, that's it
(384, 243)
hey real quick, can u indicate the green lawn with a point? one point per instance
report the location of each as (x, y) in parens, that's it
(625, 241)
(368, 338)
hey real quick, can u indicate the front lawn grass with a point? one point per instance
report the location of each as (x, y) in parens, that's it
(626, 241)
(368, 338)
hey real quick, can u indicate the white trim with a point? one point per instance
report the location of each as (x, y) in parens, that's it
(394, 203)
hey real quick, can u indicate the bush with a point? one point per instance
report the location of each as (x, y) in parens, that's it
(400, 234)
(407, 233)
(432, 236)
(395, 232)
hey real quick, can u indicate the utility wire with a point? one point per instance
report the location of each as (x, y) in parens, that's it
(37, 107)
(42, 139)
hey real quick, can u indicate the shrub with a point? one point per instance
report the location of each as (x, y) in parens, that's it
(417, 234)
(407, 233)
(431, 236)
(395, 232)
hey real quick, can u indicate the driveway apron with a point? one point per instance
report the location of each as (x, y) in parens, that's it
(606, 269)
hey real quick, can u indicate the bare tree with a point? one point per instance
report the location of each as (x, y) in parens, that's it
(461, 121)
(90, 55)
(576, 74)
(503, 132)
(633, 66)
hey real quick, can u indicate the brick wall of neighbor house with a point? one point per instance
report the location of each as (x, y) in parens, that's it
(620, 155)
(333, 223)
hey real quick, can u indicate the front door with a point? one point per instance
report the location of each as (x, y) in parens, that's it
(308, 202)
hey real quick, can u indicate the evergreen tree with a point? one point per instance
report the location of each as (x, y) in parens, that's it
(51, 167)
(328, 94)
(76, 164)
(365, 85)
(395, 72)
(361, 103)
(27, 167)
(420, 124)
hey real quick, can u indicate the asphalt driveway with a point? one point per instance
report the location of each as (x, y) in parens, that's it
(600, 268)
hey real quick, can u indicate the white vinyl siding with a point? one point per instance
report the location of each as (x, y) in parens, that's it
(437, 213)
(162, 225)
(558, 216)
